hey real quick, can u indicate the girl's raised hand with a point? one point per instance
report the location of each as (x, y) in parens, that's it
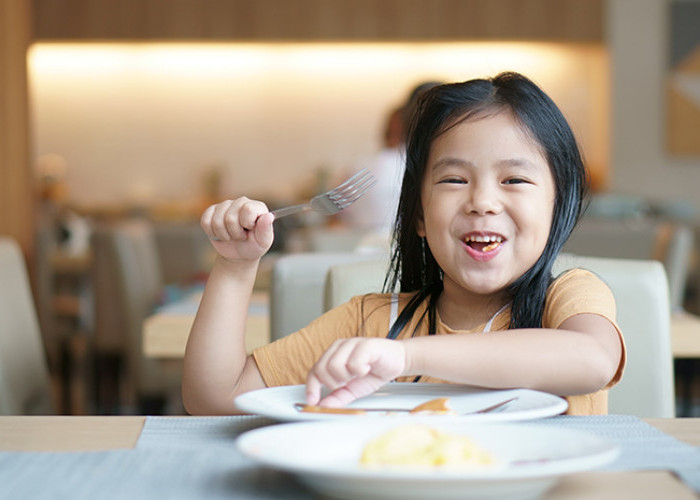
(354, 367)
(239, 229)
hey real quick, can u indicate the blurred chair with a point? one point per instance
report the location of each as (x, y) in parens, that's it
(344, 281)
(184, 251)
(636, 238)
(334, 239)
(614, 238)
(25, 387)
(618, 206)
(127, 285)
(643, 314)
(296, 293)
(676, 250)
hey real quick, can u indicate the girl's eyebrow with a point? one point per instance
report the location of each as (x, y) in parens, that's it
(450, 161)
(518, 162)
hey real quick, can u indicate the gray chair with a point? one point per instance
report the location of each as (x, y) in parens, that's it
(638, 238)
(643, 314)
(184, 251)
(296, 288)
(677, 256)
(25, 387)
(127, 286)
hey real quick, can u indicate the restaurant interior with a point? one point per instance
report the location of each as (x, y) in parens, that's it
(122, 121)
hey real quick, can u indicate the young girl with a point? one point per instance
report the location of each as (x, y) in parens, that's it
(494, 185)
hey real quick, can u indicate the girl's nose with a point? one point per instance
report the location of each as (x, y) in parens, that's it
(483, 200)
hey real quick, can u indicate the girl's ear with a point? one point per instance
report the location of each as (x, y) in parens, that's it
(420, 226)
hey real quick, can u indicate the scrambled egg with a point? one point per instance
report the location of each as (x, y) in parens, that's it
(423, 446)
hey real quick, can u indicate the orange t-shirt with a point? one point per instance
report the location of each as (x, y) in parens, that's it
(288, 360)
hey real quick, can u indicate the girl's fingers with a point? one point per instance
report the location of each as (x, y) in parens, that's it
(320, 371)
(234, 219)
(250, 212)
(343, 365)
(354, 368)
(264, 234)
(313, 390)
(205, 221)
(318, 376)
(355, 388)
(208, 221)
(221, 220)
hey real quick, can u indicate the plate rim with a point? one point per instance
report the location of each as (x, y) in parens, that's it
(608, 453)
(246, 403)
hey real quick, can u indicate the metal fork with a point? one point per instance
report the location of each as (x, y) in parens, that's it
(333, 201)
(359, 411)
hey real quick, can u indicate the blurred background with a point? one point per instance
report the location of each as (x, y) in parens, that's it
(154, 109)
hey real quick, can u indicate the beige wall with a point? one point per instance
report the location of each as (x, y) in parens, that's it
(637, 40)
(139, 122)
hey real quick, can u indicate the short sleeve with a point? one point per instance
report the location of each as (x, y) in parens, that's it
(287, 361)
(579, 291)
(575, 292)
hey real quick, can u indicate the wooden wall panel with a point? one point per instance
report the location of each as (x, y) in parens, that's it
(16, 182)
(570, 20)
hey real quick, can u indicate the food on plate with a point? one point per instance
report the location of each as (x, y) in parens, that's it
(419, 445)
(335, 411)
(439, 406)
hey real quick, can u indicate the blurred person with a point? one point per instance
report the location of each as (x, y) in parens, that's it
(377, 211)
(69, 231)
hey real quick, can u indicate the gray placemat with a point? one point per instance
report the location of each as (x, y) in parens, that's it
(642, 446)
(167, 463)
(195, 458)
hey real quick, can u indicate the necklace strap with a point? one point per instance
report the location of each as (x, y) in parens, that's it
(487, 328)
(394, 310)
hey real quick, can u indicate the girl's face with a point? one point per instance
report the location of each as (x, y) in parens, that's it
(488, 201)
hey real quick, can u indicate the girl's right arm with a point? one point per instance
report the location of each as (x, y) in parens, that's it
(216, 367)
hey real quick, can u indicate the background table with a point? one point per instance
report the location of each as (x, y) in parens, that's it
(685, 335)
(165, 332)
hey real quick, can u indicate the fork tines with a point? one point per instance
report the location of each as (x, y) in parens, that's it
(353, 188)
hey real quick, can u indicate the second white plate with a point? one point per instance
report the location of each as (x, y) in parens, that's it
(278, 402)
(326, 455)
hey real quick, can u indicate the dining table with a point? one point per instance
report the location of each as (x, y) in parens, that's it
(188, 457)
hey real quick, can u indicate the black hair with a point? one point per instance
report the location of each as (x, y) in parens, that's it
(413, 267)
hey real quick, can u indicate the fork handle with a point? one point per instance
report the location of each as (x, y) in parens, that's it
(294, 209)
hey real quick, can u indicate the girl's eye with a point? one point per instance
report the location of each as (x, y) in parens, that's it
(515, 180)
(452, 180)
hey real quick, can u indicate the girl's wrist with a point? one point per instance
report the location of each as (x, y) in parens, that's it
(412, 360)
(236, 268)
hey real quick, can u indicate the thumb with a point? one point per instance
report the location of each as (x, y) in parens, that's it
(264, 234)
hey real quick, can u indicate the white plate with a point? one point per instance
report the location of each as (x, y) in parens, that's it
(325, 456)
(278, 402)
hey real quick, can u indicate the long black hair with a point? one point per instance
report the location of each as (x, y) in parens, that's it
(413, 267)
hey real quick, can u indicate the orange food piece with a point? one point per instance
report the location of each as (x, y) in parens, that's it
(438, 405)
(337, 411)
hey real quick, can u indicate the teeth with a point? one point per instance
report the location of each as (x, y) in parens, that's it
(485, 239)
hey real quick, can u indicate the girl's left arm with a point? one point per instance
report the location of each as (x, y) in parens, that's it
(581, 356)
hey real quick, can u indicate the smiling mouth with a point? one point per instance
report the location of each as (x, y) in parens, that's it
(483, 243)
